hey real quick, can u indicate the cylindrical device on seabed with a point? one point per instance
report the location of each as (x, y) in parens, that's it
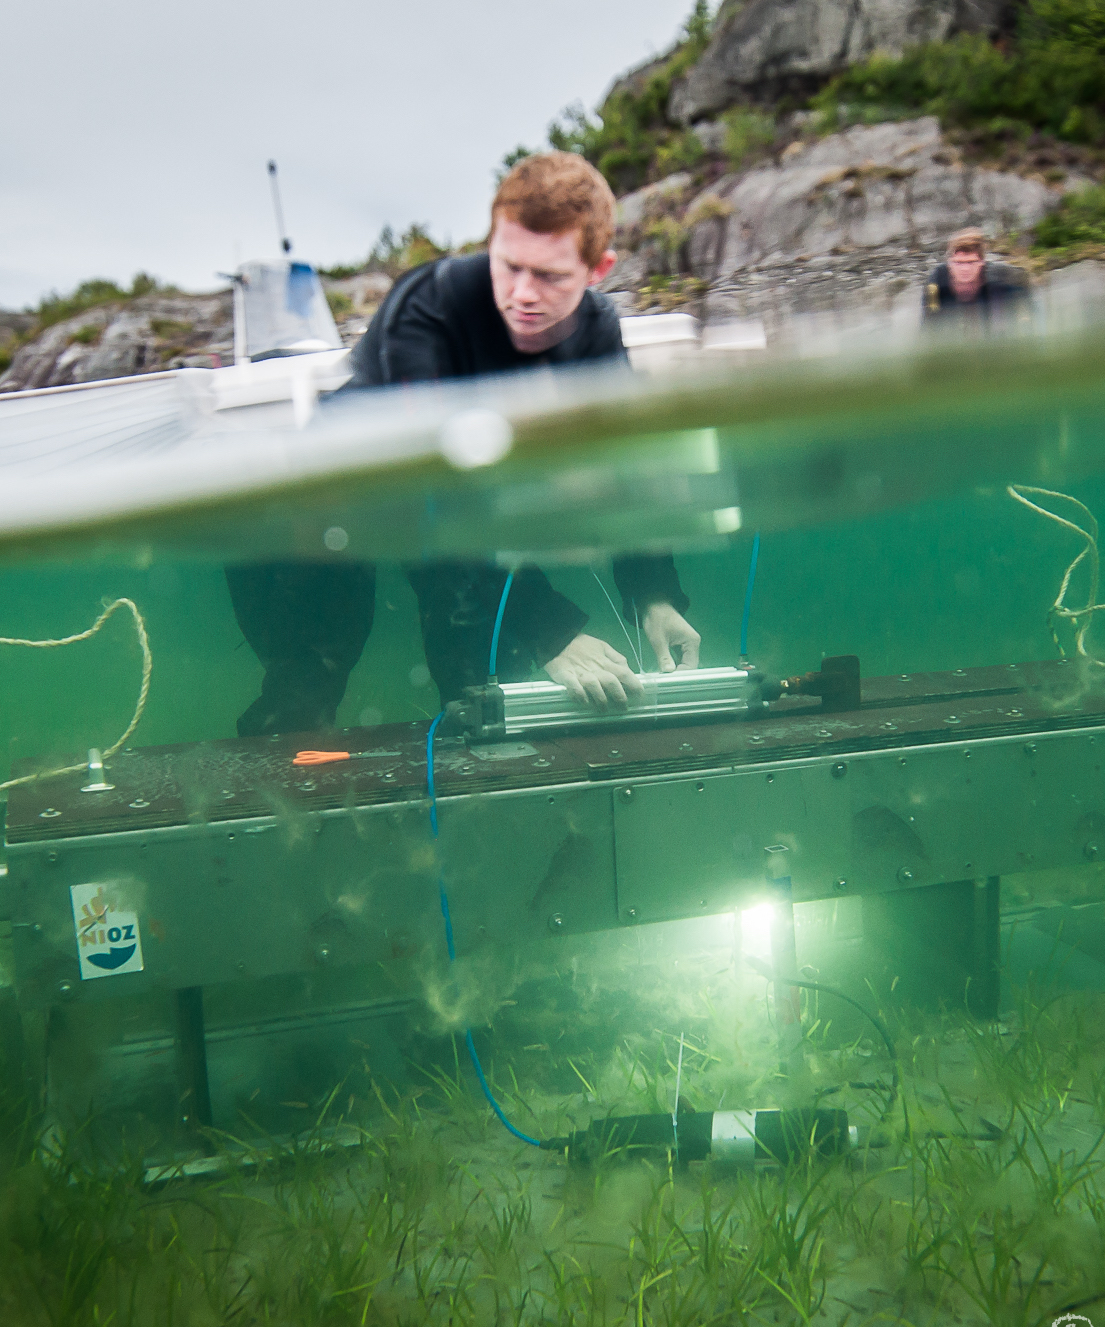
(743, 1136)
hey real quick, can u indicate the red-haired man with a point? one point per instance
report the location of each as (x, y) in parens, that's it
(529, 301)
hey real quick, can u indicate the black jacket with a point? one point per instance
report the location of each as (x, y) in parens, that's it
(438, 322)
(1004, 289)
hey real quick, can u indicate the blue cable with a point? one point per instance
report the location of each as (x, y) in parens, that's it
(449, 944)
(493, 661)
(748, 595)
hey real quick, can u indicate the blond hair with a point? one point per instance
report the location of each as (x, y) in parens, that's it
(971, 240)
(556, 192)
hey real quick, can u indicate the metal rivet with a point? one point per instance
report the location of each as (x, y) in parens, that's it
(49, 814)
(556, 922)
(1030, 748)
(904, 876)
(700, 787)
(960, 672)
(307, 786)
(901, 760)
(840, 886)
(771, 778)
(890, 727)
(541, 763)
(1090, 852)
(824, 732)
(388, 778)
(839, 769)
(138, 803)
(903, 677)
(952, 718)
(685, 746)
(241, 965)
(615, 753)
(65, 990)
(631, 912)
(701, 902)
(1016, 714)
(755, 738)
(627, 794)
(322, 954)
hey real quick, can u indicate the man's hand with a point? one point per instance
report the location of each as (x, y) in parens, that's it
(594, 673)
(667, 630)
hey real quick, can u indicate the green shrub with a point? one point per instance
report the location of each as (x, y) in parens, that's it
(93, 294)
(1051, 78)
(682, 152)
(169, 329)
(88, 335)
(397, 255)
(632, 128)
(340, 271)
(1080, 219)
(510, 160)
(748, 133)
(340, 303)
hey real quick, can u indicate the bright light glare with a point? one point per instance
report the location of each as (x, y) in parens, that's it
(756, 930)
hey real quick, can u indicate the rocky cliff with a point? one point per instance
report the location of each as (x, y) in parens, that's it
(156, 332)
(827, 222)
(754, 207)
(767, 49)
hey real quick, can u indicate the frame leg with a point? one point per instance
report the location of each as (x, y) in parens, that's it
(191, 1058)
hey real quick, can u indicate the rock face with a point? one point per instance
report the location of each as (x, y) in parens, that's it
(160, 332)
(142, 336)
(768, 48)
(872, 187)
(852, 221)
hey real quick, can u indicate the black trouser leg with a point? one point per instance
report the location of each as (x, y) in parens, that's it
(307, 623)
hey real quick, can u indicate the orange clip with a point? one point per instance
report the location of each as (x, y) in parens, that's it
(319, 757)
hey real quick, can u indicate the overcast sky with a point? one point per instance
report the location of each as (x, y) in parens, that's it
(135, 135)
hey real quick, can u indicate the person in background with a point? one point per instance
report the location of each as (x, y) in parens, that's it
(966, 285)
(528, 302)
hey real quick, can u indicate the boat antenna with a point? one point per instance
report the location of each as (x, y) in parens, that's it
(285, 243)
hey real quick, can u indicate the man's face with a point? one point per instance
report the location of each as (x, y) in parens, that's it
(965, 270)
(538, 280)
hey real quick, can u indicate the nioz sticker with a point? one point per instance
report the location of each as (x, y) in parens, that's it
(108, 940)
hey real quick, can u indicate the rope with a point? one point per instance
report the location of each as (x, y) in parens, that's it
(629, 638)
(1059, 609)
(748, 596)
(143, 691)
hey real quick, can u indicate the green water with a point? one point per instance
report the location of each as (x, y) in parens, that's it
(965, 582)
(983, 1201)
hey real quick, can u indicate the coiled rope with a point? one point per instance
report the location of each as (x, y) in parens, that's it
(1080, 619)
(143, 690)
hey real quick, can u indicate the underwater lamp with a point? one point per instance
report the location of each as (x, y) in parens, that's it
(494, 712)
(741, 1136)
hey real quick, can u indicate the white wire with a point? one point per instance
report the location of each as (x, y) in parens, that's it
(629, 638)
(143, 691)
(1059, 608)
